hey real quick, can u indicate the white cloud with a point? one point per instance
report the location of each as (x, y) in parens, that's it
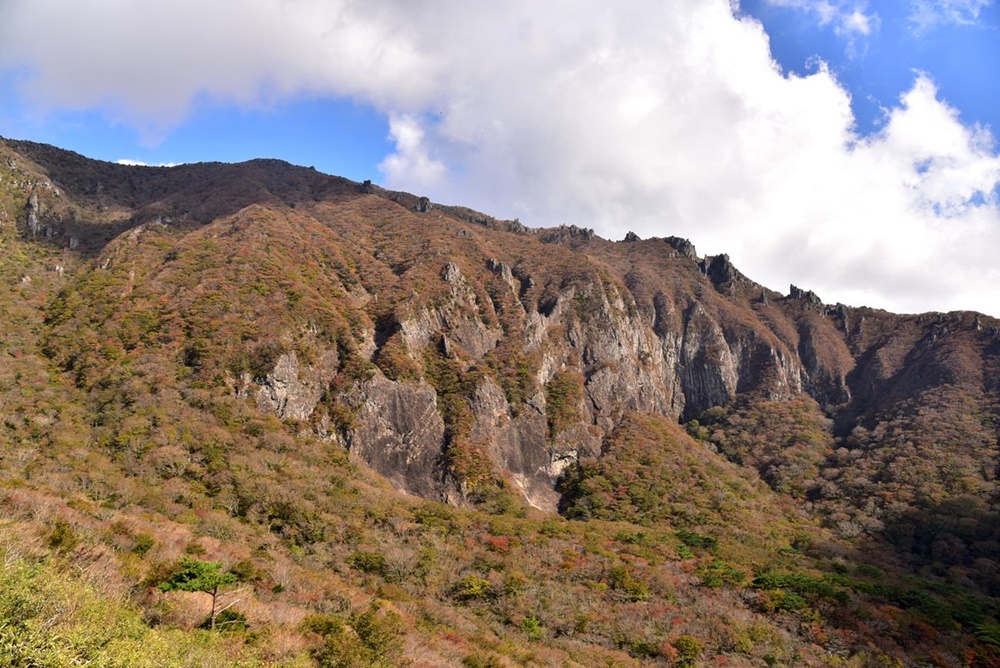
(140, 163)
(411, 162)
(151, 61)
(662, 118)
(849, 18)
(928, 14)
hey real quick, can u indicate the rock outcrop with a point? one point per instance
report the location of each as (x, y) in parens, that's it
(33, 212)
(400, 434)
(292, 392)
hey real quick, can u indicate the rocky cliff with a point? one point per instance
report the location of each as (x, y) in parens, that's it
(457, 355)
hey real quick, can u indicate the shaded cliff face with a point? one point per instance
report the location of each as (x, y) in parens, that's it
(459, 356)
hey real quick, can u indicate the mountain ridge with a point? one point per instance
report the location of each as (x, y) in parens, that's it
(179, 318)
(745, 340)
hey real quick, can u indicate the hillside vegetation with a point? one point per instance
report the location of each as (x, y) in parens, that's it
(256, 415)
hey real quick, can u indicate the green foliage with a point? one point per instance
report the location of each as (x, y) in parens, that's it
(369, 562)
(294, 520)
(652, 471)
(641, 648)
(988, 633)
(144, 542)
(260, 360)
(697, 541)
(228, 621)
(622, 580)
(781, 600)
(154, 423)
(453, 386)
(790, 592)
(50, 618)
(786, 441)
(380, 630)
(717, 573)
(532, 628)
(354, 367)
(63, 538)
(481, 661)
(563, 395)
(244, 570)
(688, 649)
(514, 369)
(474, 588)
(199, 576)
(371, 639)
(394, 359)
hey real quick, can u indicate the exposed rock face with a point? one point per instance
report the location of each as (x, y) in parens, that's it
(629, 362)
(683, 247)
(291, 391)
(400, 434)
(720, 270)
(565, 233)
(33, 211)
(808, 296)
(516, 443)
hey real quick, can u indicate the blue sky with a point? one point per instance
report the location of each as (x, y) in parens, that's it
(957, 45)
(841, 145)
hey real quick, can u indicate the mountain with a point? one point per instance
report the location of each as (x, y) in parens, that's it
(216, 356)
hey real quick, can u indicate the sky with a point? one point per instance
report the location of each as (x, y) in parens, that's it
(845, 146)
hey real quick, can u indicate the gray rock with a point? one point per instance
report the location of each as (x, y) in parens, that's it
(291, 391)
(401, 435)
(33, 212)
(683, 247)
(807, 295)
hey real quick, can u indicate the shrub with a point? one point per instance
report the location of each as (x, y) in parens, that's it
(697, 541)
(474, 588)
(63, 538)
(622, 580)
(144, 542)
(803, 585)
(380, 631)
(688, 649)
(563, 395)
(371, 639)
(532, 628)
(395, 361)
(718, 573)
(52, 618)
(368, 562)
(988, 633)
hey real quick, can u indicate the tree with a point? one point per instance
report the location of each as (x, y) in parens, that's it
(197, 575)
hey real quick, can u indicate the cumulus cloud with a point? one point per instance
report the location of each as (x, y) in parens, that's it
(662, 118)
(411, 162)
